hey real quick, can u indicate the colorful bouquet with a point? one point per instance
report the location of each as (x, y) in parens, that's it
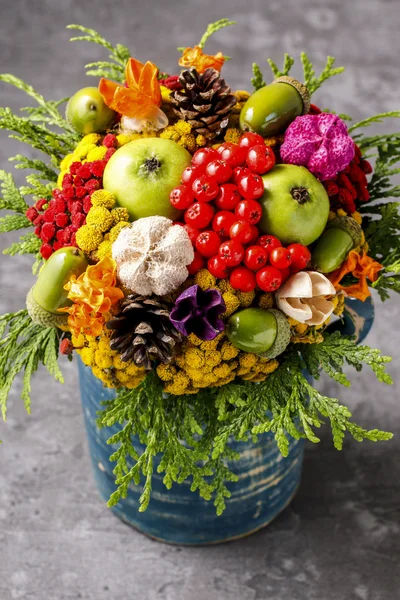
(192, 244)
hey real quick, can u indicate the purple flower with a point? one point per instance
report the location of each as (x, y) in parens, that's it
(198, 311)
(319, 142)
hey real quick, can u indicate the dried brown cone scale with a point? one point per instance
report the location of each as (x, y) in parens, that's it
(205, 101)
(142, 331)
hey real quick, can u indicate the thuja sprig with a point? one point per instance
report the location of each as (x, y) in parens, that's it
(192, 434)
(119, 55)
(25, 345)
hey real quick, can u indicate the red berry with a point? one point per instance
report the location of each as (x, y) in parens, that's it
(49, 215)
(228, 196)
(269, 279)
(110, 141)
(249, 210)
(285, 274)
(254, 234)
(219, 171)
(84, 172)
(76, 207)
(250, 185)
(203, 156)
(68, 192)
(97, 168)
(301, 256)
(232, 154)
(260, 159)
(80, 192)
(59, 205)
(239, 172)
(205, 188)
(249, 139)
(191, 173)
(207, 243)
(109, 153)
(57, 246)
(78, 220)
(217, 267)
(269, 242)
(241, 232)
(75, 167)
(66, 347)
(79, 182)
(199, 215)
(222, 222)
(181, 197)
(231, 253)
(38, 230)
(31, 214)
(255, 257)
(40, 204)
(196, 264)
(92, 185)
(62, 220)
(87, 204)
(191, 231)
(46, 251)
(39, 220)
(242, 279)
(280, 258)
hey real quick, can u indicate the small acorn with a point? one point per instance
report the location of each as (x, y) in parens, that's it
(341, 235)
(273, 107)
(88, 113)
(48, 295)
(258, 331)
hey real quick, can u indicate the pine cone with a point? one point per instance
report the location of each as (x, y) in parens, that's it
(205, 101)
(142, 331)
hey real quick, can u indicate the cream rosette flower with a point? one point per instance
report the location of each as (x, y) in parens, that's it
(152, 255)
(304, 297)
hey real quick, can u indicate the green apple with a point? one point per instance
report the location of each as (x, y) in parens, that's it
(88, 113)
(49, 292)
(295, 205)
(142, 174)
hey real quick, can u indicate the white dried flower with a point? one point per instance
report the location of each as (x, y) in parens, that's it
(152, 255)
(303, 297)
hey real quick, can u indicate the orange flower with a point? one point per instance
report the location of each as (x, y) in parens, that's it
(362, 267)
(93, 294)
(141, 99)
(194, 57)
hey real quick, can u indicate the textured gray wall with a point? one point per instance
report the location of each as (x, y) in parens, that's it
(340, 537)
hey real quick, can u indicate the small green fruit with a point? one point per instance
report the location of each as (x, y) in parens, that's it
(273, 107)
(41, 316)
(341, 235)
(142, 174)
(48, 291)
(88, 113)
(295, 205)
(259, 331)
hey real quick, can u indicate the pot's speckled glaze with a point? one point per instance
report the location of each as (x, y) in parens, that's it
(267, 481)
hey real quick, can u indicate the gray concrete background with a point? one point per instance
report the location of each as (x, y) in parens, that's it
(339, 540)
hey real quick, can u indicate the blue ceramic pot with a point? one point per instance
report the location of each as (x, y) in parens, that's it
(267, 481)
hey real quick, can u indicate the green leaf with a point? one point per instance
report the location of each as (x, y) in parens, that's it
(312, 82)
(27, 244)
(257, 80)
(213, 28)
(11, 197)
(13, 222)
(287, 65)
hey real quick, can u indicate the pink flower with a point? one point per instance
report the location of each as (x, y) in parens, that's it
(319, 142)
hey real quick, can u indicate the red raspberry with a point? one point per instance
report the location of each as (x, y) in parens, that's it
(366, 167)
(69, 192)
(39, 220)
(80, 192)
(331, 188)
(49, 215)
(62, 220)
(67, 179)
(38, 230)
(32, 214)
(48, 231)
(74, 168)
(68, 231)
(66, 347)
(110, 141)
(78, 220)
(73, 239)
(70, 204)
(57, 246)
(87, 204)
(92, 185)
(46, 251)
(84, 172)
(40, 204)
(79, 182)
(109, 153)
(97, 168)
(59, 205)
(76, 208)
